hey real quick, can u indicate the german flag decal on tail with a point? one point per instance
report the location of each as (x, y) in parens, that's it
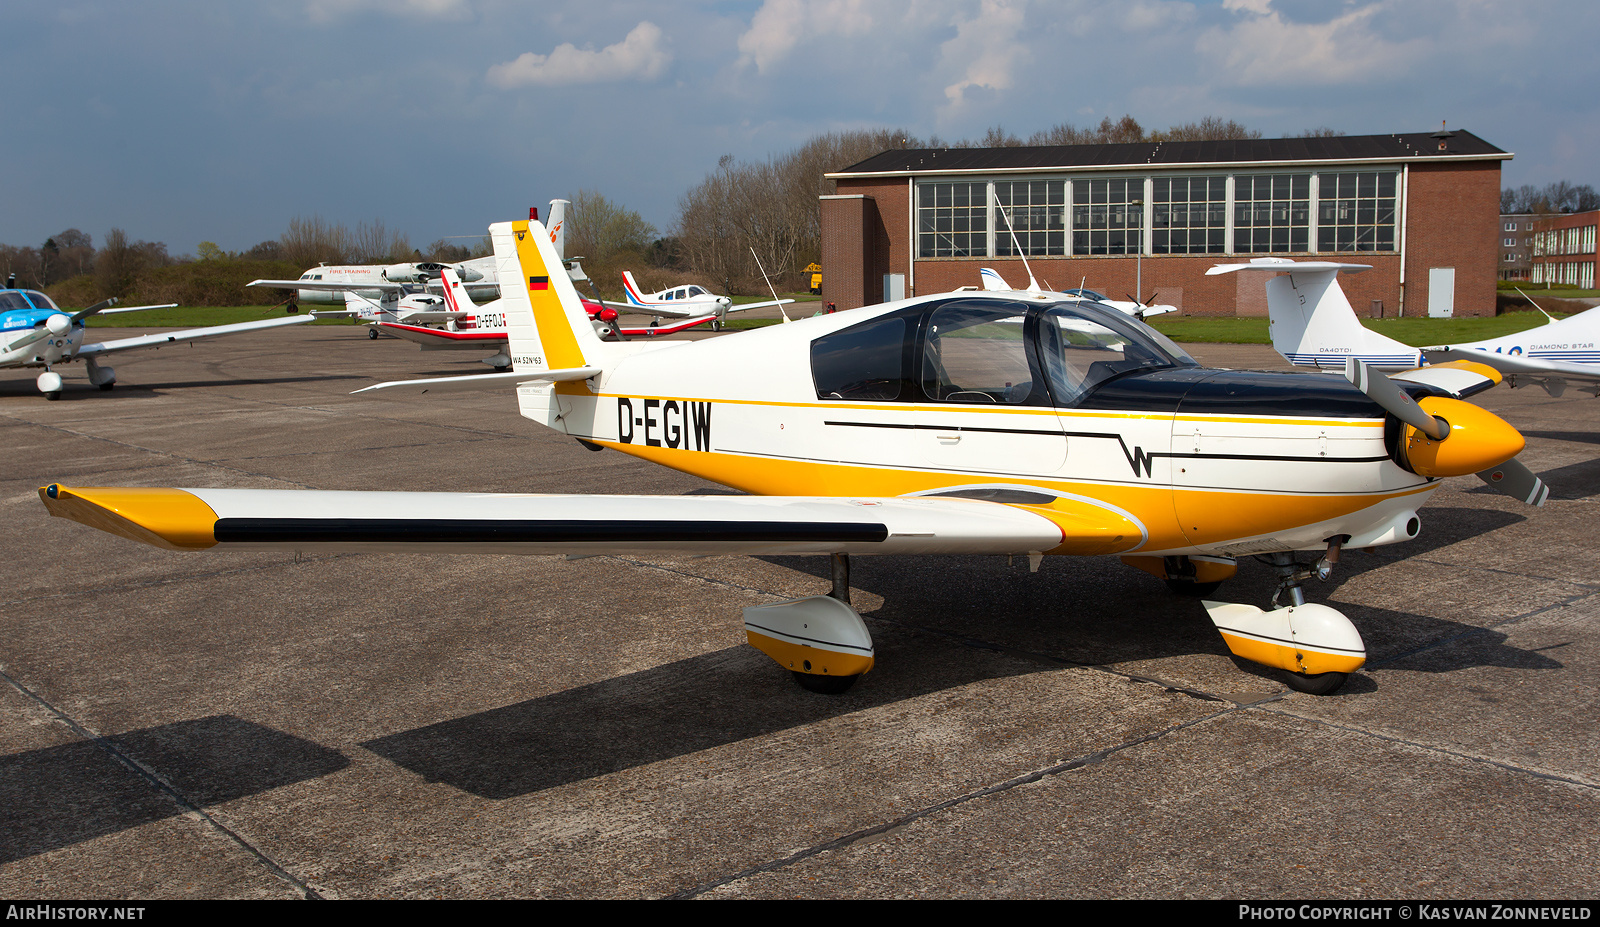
(538, 283)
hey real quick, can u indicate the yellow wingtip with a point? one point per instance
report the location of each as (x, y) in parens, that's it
(169, 518)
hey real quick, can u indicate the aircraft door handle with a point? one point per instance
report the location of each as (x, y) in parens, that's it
(949, 438)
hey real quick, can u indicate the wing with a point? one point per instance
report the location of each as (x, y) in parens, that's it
(1459, 378)
(1519, 365)
(328, 287)
(666, 310)
(668, 329)
(438, 337)
(435, 522)
(185, 336)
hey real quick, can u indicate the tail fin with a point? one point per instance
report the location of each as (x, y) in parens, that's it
(545, 322)
(632, 288)
(992, 280)
(455, 295)
(1312, 322)
(370, 309)
(558, 227)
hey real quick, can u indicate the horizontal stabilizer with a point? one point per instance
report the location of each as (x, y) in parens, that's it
(484, 381)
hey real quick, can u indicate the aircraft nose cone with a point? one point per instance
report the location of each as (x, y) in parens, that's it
(1478, 440)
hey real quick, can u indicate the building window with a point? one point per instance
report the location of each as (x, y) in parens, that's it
(1037, 212)
(952, 220)
(1189, 215)
(1104, 219)
(1511, 226)
(1355, 211)
(1511, 242)
(1271, 213)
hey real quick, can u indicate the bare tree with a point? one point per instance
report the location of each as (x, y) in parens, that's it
(599, 229)
(376, 244)
(311, 241)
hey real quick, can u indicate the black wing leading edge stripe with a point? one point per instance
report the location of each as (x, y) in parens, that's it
(555, 531)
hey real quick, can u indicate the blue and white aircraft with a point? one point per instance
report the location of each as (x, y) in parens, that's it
(34, 332)
(1314, 326)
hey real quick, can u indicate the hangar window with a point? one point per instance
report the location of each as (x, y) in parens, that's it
(1189, 215)
(1037, 211)
(1104, 219)
(866, 361)
(1271, 213)
(1356, 210)
(975, 352)
(952, 220)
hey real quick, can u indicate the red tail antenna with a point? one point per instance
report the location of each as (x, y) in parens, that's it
(533, 214)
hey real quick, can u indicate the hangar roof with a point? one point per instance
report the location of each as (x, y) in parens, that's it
(1418, 146)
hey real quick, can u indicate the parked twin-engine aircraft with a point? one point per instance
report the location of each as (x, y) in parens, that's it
(34, 332)
(994, 283)
(681, 302)
(963, 423)
(1314, 326)
(382, 289)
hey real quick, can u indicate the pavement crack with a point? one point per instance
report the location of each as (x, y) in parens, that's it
(159, 784)
(880, 830)
(1442, 751)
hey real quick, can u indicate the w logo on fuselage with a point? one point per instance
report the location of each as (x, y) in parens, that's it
(1138, 459)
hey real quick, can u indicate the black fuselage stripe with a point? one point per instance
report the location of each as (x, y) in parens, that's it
(1114, 437)
(537, 531)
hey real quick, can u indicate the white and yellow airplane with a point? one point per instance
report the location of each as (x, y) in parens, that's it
(965, 423)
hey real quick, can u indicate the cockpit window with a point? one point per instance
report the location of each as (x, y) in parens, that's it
(976, 352)
(41, 301)
(865, 361)
(13, 300)
(1084, 346)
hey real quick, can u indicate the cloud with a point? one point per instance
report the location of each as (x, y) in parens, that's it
(322, 11)
(989, 45)
(639, 56)
(780, 25)
(1265, 49)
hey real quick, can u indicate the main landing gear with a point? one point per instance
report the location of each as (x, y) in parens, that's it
(820, 638)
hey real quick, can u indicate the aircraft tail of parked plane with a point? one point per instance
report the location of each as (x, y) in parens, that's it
(1312, 322)
(1313, 325)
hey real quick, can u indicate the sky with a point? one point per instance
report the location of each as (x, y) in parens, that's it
(184, 121)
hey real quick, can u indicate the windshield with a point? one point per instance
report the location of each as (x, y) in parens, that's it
(1084, 346)
(41, 301)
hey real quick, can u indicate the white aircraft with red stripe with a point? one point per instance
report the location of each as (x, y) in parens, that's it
(961, 423)
(683, 301)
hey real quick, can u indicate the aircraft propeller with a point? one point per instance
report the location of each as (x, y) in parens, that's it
(1510, 476)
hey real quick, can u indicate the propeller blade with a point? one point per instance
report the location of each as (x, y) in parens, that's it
(1515, 480)
(1384, 392)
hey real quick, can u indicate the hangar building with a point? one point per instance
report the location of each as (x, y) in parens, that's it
(1423, 209)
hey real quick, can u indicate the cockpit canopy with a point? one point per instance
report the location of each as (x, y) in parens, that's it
(25, 299)
(987, 351)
